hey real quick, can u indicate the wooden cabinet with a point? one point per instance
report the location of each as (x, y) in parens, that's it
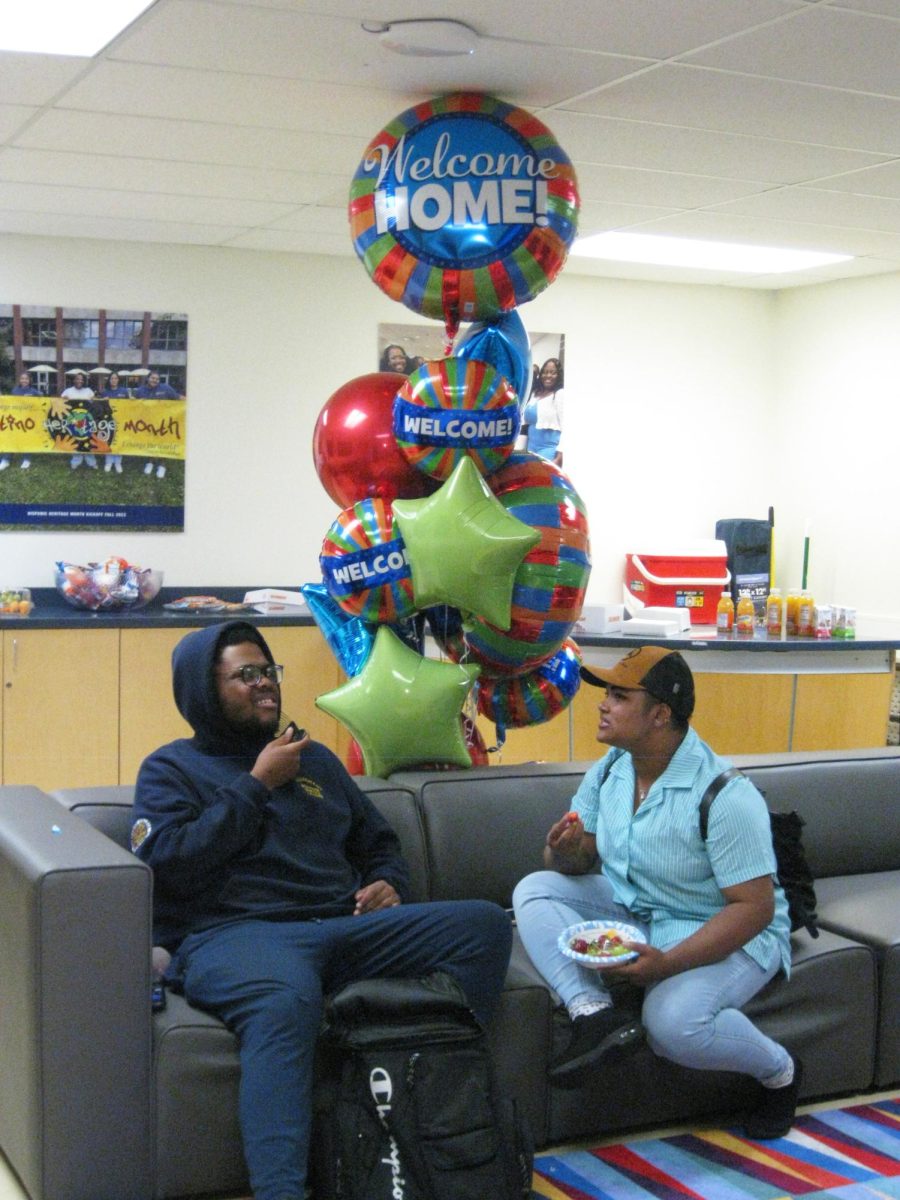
(148, 714)
(86, 706)
(60, 707)
(82, 705)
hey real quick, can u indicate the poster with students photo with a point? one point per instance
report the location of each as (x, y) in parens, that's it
(92, 418)
(404, 348)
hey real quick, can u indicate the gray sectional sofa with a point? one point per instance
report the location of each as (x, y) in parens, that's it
(101, 1101)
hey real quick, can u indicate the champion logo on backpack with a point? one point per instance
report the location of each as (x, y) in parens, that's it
(382, 1090)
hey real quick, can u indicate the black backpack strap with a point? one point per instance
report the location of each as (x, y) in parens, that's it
(613, 757)
(710, 794)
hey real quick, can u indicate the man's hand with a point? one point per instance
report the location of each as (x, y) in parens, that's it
(279, 761)
(569, 848)
(375, 895)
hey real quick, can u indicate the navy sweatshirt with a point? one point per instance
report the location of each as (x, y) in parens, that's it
(222, 847)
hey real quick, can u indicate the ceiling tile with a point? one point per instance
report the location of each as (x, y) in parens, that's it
(110, 229)
(645, 28)
(153, 176)
(37, 78)
(303, 44)
(772, 231)
(107, 201)
(865, 58)
(180, 141)
(627, 185)
(12, 118)
(668, 147)
(796, 112)
(822, 207)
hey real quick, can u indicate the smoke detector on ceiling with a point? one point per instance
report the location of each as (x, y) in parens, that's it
(424, 38)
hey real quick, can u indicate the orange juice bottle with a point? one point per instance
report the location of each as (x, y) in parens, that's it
(790, 611)
(774, 612)
(725, 613)
(806, 615)
(745, 617)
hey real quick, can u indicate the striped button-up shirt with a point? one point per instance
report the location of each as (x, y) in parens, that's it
(655, 858)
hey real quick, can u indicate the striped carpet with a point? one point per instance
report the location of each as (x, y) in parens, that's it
(848, 1153)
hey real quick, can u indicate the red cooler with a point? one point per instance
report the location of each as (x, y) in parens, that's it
(691, 577)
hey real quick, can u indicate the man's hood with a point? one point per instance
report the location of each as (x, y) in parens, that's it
(196, 690)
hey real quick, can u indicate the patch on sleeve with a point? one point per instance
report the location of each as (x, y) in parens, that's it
(140, 831)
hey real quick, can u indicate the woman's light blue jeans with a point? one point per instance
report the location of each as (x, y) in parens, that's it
(693, 1018)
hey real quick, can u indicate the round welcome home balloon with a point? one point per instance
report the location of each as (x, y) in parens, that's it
(463, 207)
(452, 409)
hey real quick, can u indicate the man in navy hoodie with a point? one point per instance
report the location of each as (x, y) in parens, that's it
(277, 882)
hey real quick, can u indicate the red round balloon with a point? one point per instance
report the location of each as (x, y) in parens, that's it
(354, 449)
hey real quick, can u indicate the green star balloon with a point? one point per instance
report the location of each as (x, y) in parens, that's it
(464, 547)
(404, 709)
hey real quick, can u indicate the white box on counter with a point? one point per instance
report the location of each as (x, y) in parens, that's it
(602, 618)
(681, 616)
(274, 600)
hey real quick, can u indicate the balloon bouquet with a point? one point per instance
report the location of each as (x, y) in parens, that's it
(462, 208)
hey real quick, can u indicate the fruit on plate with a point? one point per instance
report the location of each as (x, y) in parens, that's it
(607, 944)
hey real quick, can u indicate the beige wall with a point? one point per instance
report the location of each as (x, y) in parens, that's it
(685, 403)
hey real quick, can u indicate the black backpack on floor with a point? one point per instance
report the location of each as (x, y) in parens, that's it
(407, 1106)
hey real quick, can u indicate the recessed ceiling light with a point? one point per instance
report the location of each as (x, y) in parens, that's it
(706, 256)
(76, 27)
(425, 38)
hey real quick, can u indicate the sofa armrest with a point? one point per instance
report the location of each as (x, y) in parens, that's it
(75, 1030)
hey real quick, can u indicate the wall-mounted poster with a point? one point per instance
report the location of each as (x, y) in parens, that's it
(404, 348)
(92, 418)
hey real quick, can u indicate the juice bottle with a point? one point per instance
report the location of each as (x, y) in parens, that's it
(725, 613)
(790, 612)
(806, 615)
(774, 612)
(744, 619)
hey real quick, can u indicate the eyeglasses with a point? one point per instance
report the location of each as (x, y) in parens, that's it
(251, 674)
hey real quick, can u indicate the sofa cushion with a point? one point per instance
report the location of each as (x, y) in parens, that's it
(867, 909)
(848, 801)
(486, 828)
(106, 808)
(398, 807)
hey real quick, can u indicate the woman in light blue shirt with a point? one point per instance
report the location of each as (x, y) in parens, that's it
(715, 919)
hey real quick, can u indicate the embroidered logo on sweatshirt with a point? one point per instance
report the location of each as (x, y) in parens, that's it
(310, 786)
(140, 831)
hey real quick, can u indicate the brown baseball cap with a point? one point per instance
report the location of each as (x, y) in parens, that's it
(661, 672)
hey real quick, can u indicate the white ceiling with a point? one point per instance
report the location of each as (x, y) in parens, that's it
(240, 123)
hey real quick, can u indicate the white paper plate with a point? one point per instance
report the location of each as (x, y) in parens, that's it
(592, 931)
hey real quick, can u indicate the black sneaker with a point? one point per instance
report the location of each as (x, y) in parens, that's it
(774, 1113)
(609, 1033)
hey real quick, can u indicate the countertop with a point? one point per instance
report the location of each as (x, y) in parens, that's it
(51, 611)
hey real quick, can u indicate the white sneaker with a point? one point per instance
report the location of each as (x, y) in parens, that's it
(118, 467)
(107, 466)
(25, 464)
(148, 470)
(160, 471)
(4, 463)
